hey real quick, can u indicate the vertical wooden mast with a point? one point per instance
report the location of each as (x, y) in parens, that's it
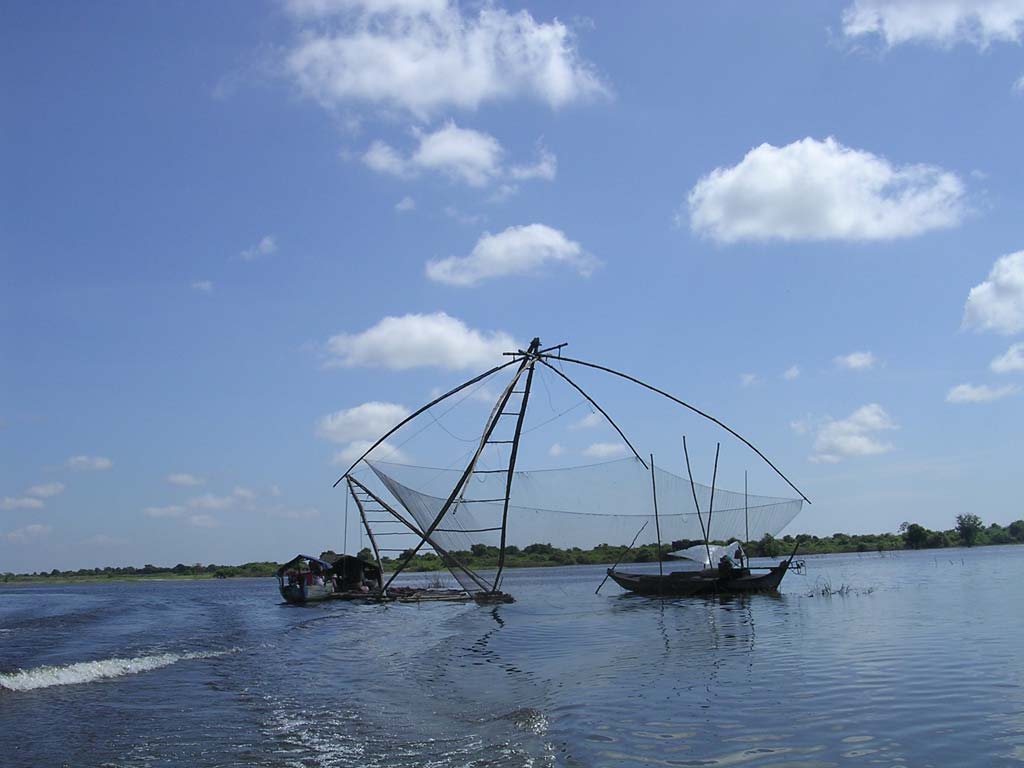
(526, 360)
(534, 346)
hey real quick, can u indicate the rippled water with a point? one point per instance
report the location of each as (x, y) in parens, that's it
(919, 664)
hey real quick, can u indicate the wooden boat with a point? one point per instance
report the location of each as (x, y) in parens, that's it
(308, 579)
(686, 583)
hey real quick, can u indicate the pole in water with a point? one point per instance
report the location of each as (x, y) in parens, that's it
(696, 504)
(746, 513)
(657, 523)
(621, 556)
(344, 544)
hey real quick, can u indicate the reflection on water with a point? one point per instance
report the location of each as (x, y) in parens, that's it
(918, 665)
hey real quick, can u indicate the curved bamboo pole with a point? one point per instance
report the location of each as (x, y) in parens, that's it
(696, 410)
(426, 407)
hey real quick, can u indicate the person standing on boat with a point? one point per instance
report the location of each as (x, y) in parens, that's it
(725, 567)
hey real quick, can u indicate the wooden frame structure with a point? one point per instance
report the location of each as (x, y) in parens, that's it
(526, 362)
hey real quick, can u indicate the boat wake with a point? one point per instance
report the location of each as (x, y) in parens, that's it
(91, 671)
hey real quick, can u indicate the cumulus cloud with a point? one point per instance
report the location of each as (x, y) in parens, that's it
(997, 304)
(202, 286)
(792, 373)
(556, 450)
(89, 462)
(856, 361)
(414, 340)
(515, 251)
(265, 247)
(12, 503)
(425, 57)
(1011, 360)
(604, 450)
(405, 204)
(363, 422)
(172, 510)
(464, 155)
(856, 435)
(28, 532)
(243, 493)
(941, 22)
(981, 393)
(184, 479)
(822, 190)
(46, 490)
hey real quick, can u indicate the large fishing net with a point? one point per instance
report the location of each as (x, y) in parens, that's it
(582, 507)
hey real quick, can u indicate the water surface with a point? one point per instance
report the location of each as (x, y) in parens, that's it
(917, 665)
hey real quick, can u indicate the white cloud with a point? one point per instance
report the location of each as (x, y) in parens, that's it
(184, 479)
(383, 452)
(1012, 360)
(943, 22)
(821, 190)
(383, 158)
(515, 251)
(792, 373)
(243, 493)
(203, 521)
(28, 532)
(169, 511)
(405, 204)
(210, 501)
(1018, 86)
(556, 450)
(414, 340)
(265, 247)
(604, 450)
(591, 420)
(89, 462)
(856, 361)
(46, 490)
(424, 57)
(982, 393)
(363, 422)
(838, 439)
(11, 503)
(998, 303)
(202, 286)
(748, 379)
(546, 167)
(462, 154)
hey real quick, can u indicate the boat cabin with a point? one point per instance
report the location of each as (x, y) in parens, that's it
(305, 578)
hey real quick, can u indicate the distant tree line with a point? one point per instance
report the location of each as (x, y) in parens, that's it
(969, 531)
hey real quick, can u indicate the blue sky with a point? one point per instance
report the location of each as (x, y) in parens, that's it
(225, 232)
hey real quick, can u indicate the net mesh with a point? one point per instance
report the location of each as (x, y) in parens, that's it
(581, 507)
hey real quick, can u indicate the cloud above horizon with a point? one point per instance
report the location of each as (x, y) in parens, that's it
(821, 190)
(980, 393)
(522, 250)
(424, 57)
(96, 463)
(940, 22)
(854, 436)
(417, 341)
(997, 304)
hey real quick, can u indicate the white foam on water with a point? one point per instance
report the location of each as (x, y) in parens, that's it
(91, 671)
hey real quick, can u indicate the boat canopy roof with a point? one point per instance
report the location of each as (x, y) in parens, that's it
(323, 563)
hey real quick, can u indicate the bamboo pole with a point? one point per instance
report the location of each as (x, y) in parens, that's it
(426, 407)
(415, 529)
(488, 430)
(593, 402)
(373, 541)
(657, 522)
(511, 471)
(693, 489)
(714, 479)
(621, 556)
(696, 410)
